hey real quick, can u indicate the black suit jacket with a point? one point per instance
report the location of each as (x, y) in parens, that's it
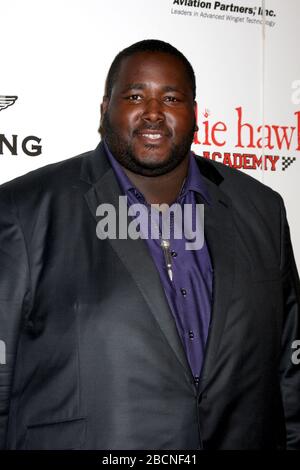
(93, 356)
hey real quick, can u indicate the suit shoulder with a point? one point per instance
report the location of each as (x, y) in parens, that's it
(236, 183)
(48, 177)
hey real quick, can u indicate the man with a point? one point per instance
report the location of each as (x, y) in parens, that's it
(123, 343)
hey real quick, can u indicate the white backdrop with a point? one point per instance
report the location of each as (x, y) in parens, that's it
(55, 55)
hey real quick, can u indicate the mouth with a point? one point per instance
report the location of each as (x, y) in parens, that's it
(151, 135)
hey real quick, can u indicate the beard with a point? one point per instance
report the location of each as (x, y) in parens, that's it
(124, 153)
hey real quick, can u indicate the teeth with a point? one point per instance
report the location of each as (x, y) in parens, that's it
(152, 136)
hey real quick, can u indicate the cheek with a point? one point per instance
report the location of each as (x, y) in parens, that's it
(181, 116)
(182, 123)
(124, 122)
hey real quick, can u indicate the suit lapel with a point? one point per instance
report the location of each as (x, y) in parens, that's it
(219, 235)
(134, 255)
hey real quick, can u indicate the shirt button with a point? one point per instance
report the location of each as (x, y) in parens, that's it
(173, 253)
(183, 291)
(196, 379)
(191, 334)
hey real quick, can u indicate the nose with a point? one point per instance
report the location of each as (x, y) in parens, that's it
(153, 111)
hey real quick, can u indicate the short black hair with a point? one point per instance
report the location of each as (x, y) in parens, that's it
(147, 45)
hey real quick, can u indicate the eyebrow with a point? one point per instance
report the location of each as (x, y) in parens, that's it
(142, 86)
(134, 86)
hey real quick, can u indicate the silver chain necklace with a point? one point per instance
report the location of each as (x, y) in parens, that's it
(165, 245)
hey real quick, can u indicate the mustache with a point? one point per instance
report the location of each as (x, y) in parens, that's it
(153, 127)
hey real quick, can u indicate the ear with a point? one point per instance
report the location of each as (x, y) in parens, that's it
(103, 110)
(104, 105)
(196, 115)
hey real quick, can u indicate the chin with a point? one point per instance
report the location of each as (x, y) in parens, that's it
(152, 154)
(153, 161)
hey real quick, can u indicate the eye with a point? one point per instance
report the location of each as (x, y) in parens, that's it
(134, 97)
(171, 99)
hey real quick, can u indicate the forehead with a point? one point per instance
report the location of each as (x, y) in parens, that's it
(158, 68)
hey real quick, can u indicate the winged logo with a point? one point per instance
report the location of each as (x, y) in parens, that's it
(6, 101)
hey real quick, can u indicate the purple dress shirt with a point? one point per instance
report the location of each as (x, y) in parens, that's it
(189, 294)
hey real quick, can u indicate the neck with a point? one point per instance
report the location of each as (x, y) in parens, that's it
(162, 189)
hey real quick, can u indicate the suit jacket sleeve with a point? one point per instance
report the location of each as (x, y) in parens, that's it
(289, 368)
(14, 296)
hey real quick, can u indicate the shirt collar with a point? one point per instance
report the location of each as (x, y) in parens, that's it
(194, 180)
(122, 178)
